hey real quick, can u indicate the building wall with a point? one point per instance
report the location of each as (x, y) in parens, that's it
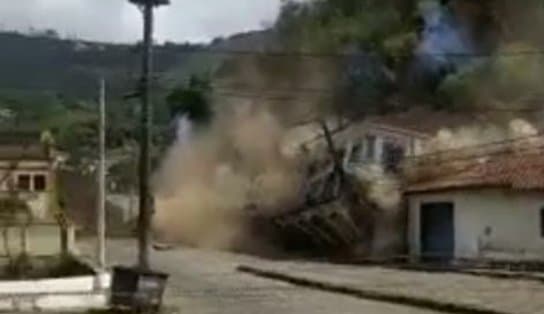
(38, 201)
(42, 240)
(411, 143)
(512, 220)
(39, 204)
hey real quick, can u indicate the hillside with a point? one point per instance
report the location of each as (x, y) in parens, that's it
(71, 67)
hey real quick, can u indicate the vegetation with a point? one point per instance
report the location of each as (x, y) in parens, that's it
(191, 100)
(50, 83)
(379, 56)
(44, 62)
(38, 268)
(365, 56)
(14, 212)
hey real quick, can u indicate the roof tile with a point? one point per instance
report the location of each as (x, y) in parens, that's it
(520, 171)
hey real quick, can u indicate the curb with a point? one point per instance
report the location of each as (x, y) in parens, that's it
(367, 294)
(507, 276)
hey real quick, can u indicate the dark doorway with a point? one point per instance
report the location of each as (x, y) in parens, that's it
(437, 232)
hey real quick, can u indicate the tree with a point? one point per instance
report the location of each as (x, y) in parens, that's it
(15, 212)
(372, 42)
(191, 100)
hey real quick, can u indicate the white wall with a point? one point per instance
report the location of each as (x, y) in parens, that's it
(410, 141)
(43, 240)
(512, 216)
(70, 295)
(38, 201)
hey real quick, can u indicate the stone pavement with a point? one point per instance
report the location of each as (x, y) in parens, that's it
(207, 282)
(446, 291)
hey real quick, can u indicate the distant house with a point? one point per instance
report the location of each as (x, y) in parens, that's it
(387, 139)
(384, 139)
(27, 169)
(491, 209)
(337, 215)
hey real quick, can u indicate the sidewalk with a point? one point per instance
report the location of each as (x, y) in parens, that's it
(450, 292)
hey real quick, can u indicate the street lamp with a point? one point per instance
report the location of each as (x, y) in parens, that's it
(145, 202)
(141, 288)
(152, 2)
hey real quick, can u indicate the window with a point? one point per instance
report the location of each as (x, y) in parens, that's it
(356, 153)
(23, 182)
(392, 156)
(40, 183)
(370, 146)
(542, 222)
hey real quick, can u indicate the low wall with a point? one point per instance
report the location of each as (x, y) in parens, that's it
(48, 295)
(43, 239)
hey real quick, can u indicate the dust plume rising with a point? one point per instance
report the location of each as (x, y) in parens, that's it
(207, 182)
(379, 187)
(454, 150)
(475, 135)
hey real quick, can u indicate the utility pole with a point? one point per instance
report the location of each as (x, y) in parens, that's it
(101, 201)
(145, 201)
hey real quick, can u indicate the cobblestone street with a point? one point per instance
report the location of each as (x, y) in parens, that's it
(205, 282)
(491, 295)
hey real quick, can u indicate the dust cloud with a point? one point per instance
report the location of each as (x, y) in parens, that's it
(454, 150)
(379, 187)
(475, 135)
(206, 182)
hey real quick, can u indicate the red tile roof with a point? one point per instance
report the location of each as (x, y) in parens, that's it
(519, 171)
(24, 152)
(23, 145)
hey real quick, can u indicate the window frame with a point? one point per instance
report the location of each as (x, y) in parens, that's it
(392, 155)
(370, 146)
(356, 152)
(28, 177)
(34, 185)
(541, 221)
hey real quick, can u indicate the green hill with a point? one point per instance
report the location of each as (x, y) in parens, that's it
(72, 67)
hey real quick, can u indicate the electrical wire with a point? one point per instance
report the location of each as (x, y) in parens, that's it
(506, 151)
(246, 91)
(484, 145)
(318, 55)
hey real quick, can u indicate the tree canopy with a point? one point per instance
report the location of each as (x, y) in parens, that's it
(191, 100)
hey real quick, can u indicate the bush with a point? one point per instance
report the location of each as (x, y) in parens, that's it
(25, 266)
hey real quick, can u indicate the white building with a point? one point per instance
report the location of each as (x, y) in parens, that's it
(381, 139)
(27, 169)
(492, 210)
(384, 140)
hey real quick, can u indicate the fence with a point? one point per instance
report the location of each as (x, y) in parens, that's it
(36, 239)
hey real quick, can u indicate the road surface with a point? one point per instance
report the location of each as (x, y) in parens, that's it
(206, 282)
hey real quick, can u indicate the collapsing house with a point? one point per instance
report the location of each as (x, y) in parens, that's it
(327, 218)
(331, 216)
(353, 202)
(345, 209)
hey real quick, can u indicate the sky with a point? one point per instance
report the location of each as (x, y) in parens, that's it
(119, 21)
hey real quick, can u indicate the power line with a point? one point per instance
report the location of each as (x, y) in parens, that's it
(444, 168)
(505, 151)
(320, 55)
(254, 88)
(479, 146)
(296, 93)
(286, 95)
(253, 91)
(500, 170)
